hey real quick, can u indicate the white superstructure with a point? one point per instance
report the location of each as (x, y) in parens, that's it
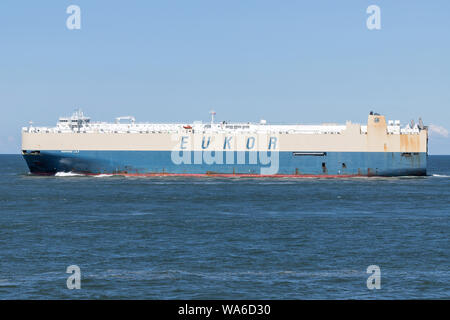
(79, 123)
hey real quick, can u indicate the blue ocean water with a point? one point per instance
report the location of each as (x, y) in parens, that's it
(211, 238)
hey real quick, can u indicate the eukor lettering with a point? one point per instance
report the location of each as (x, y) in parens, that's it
(227, 143)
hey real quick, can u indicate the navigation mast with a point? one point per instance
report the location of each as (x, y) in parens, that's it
(212, 113)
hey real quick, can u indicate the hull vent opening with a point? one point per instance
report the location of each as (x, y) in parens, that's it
(314, 154)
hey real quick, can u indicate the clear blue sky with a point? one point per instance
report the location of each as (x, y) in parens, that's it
(284, 61)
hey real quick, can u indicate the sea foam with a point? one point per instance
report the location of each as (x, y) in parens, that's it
(68, 174)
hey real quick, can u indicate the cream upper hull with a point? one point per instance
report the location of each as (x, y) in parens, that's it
(351, 139)
(348, 141)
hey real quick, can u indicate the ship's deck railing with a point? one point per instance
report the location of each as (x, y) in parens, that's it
(103, 127)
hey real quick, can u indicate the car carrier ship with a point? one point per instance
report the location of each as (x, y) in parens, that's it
(125, 147)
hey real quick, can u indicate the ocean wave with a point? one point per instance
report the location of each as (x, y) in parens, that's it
(68, 174)
(73, 174)
(441, 176)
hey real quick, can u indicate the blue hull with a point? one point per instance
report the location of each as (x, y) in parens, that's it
(333, 164)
